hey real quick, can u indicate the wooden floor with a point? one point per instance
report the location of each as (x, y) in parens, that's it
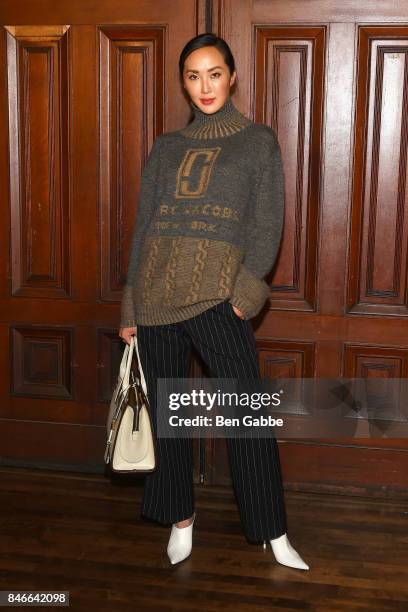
(84, 534)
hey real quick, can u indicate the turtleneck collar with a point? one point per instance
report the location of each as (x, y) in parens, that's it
(224, 122)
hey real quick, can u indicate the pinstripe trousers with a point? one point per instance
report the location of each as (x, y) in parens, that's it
(227, 345)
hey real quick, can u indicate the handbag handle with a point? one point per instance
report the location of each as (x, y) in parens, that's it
(129, 356)
(142, 376)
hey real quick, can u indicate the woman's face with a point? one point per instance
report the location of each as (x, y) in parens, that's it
(207, 79)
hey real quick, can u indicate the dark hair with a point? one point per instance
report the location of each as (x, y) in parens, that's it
(207, 40)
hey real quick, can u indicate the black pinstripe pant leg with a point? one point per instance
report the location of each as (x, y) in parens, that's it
(227, 344)
(168, 495)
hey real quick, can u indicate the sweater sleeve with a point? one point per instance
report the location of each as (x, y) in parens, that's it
(148, 186)
(263, 234)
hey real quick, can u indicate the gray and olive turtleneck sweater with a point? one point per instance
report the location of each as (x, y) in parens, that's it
(209, 221)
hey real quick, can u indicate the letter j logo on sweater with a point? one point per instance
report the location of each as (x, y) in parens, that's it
(194, 172)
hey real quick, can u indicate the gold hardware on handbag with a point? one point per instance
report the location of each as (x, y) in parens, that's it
(130, 446)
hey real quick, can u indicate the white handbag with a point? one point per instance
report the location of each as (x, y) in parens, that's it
(130, 446)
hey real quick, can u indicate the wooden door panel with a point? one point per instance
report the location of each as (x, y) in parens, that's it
(131, 95)
(294, 108)
(377, 278)
(38, 141)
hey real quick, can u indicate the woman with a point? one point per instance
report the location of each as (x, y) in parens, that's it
(208, 229)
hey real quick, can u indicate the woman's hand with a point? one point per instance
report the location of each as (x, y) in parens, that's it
(126, 332)
(237, 312)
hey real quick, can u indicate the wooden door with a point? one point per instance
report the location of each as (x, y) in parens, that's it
(331, 79)
(85, 89)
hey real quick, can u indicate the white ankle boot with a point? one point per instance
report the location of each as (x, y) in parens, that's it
(285, 553)
(180, 542)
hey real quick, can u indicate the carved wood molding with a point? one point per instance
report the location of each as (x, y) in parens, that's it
(46, 32)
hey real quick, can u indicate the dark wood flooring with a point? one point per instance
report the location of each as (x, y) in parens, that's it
(84, 534)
